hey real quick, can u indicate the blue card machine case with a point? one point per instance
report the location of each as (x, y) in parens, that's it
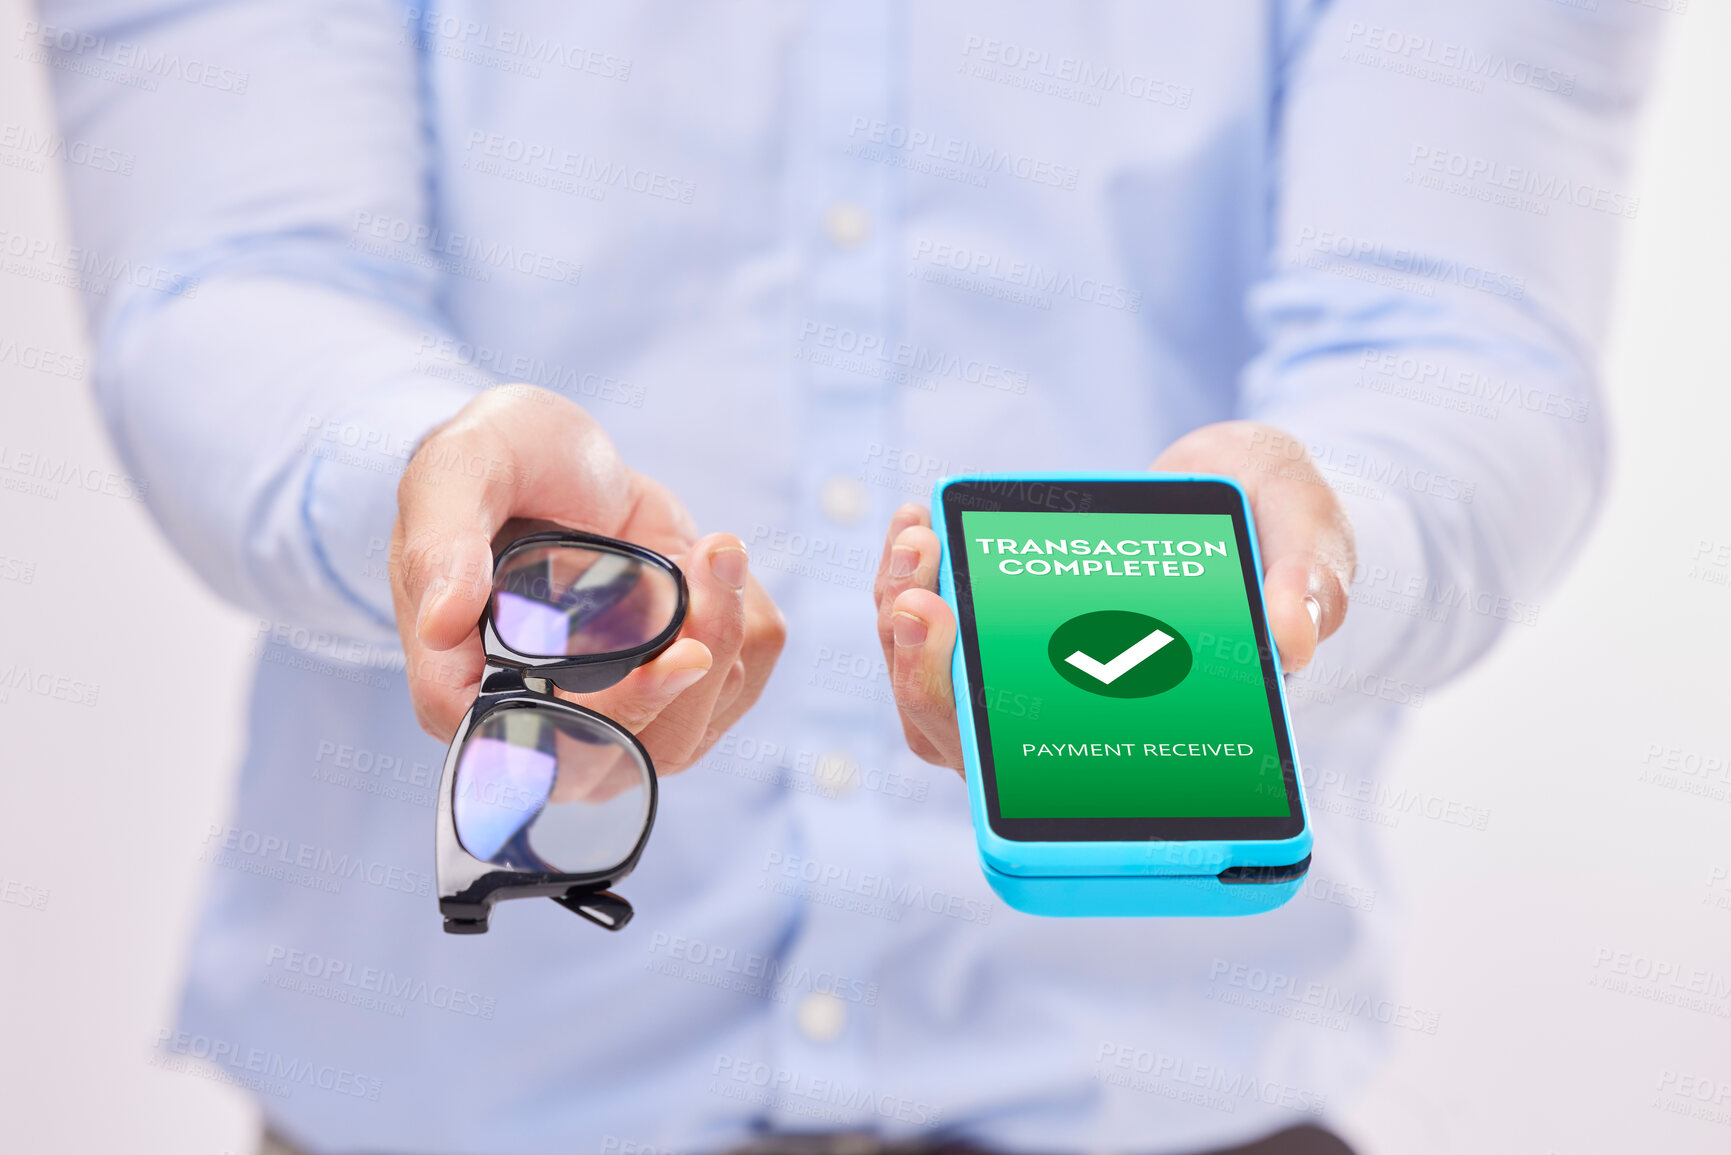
(1150, 876)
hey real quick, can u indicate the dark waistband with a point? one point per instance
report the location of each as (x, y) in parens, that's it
(1305, 1140)
(1293, 1141)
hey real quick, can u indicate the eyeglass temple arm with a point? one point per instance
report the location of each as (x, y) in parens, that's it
(601, 907)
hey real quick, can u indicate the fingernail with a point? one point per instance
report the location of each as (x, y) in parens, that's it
(1315, 608)
(680, 681)
(728, 564)
(908, 630)
(903, 561)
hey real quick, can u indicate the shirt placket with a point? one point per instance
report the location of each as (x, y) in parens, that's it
(843, 201)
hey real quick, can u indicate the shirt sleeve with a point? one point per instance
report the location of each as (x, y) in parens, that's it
(1453, 179)
(262, 303)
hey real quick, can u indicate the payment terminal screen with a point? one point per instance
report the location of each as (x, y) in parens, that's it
(1121, 672)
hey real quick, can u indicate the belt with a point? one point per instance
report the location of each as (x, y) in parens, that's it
(1294, 1141)
(1305, 1140)
(847, 1143)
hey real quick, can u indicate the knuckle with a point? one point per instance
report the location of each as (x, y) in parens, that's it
(681, 745)
(716, 729)
(424, 463)
(912, 689)
(940, 691)
(772, 633)
(737, 623)
(432, 718)
(728, 641)
(634, 713)
(932, 756)
(931, 707)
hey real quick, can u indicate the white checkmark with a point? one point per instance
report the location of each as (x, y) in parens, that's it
(1110, 672)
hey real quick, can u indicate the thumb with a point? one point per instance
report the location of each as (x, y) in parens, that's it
(1304, 535)
(515, 451)
(1307, 548)
(1302, 609)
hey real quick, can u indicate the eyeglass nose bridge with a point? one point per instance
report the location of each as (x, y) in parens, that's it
(573, 679)
(588, 679)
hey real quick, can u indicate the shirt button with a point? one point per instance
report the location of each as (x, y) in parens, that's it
(837, 774)
(848, 225)
(844, 500)
(821, 1016)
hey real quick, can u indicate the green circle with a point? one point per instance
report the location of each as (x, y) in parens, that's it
(1104, 640)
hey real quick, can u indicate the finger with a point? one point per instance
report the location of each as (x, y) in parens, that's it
(621, 776)
(918, 743)
(765, 634)
(639, 698)
(582, 766)
(730, 688)
(1293, 615)
(912, 513)
(636, 701)
(923, 632)
(592, 773)
(717, 579)
(447, 575)
(443, 684)
(910, 562)
(1307, 552)
(911, 558)
(658, 520)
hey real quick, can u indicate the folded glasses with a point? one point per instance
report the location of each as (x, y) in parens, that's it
(541, 797)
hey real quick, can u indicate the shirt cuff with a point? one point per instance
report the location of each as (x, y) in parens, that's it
(349, 504)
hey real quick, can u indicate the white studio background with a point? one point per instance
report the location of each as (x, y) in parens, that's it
(1528, 940)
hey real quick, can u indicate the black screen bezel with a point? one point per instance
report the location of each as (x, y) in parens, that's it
(1153, 495)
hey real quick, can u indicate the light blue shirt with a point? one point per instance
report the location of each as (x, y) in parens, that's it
(800, 260)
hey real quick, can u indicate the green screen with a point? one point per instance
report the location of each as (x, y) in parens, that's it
(1126, 642)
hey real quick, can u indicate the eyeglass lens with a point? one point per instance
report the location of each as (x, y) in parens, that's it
(541, 790)
(568, 600)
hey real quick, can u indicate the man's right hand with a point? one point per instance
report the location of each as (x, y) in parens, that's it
(518, 451)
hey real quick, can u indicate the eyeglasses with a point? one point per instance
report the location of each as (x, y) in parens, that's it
(541, 797)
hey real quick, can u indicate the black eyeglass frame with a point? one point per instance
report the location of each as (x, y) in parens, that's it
(468, 886)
